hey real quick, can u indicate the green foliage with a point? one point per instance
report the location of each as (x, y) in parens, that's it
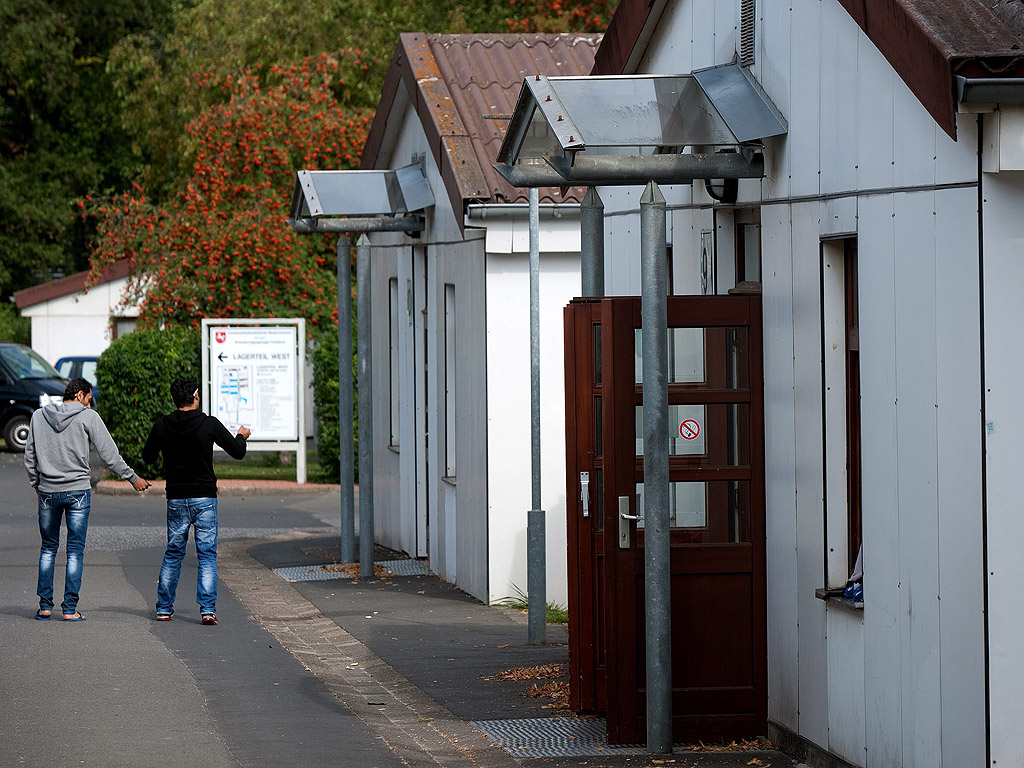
(14, 327)
(520, 601)
(60, 128)
(134, 374)
(324, 353)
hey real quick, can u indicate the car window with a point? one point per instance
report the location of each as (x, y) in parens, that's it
(64, 368)
(89, 371)
(26, 364)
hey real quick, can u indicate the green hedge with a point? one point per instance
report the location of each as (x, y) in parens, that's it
(134, 376)
(13, 327)
(324, 352)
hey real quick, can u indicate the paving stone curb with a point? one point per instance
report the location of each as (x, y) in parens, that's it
(225, 488)
(419, 730)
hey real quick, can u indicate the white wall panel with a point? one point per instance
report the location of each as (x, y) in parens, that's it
(387, 473)
(807, 58)
(916, 427)
(1004, 370)
(960, 545)
(509, 487)
(622, 255)
(780, 470)
(727, 21)
(914, 139)
(686, 253)
(846, 664)
(809, 491)
(957, 161)
(837, 155)
(406, 427)
(881, 511)
(670, 47)
(771, 68)
(703, 45)
(876, 82)
(464, 265)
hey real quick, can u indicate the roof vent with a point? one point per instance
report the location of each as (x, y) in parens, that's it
(746, 33)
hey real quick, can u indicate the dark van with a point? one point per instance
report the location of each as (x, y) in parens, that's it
(27, 382)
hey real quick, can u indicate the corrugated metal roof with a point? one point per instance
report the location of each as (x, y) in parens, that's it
(927, 42)
(464, 87)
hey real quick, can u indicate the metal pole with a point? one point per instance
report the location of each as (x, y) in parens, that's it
(345, 444)
(536, 561)
(657, 578)
(363, 339)
(592, 244)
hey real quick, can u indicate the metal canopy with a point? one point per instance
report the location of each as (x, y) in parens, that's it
(638, 121)
(360, 193)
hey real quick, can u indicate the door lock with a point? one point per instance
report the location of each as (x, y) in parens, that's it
(624, 518)
(585, 492)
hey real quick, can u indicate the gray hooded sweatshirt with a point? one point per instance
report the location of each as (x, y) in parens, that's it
(57, 452)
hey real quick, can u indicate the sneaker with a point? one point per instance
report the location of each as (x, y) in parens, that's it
(164, 616)
(209, 618)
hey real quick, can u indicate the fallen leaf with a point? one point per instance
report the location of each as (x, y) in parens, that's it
(543, 672)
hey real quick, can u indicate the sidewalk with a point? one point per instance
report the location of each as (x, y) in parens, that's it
(411, 655)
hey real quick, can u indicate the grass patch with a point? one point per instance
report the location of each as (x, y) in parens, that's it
(556, 614)
(268, 466)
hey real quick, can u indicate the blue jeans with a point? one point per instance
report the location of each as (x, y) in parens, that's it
(200, 513)
(74, 506)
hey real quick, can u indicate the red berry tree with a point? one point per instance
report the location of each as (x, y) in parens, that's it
(222, 248)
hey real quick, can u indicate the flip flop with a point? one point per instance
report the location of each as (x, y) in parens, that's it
(40, 617)
(77, 617)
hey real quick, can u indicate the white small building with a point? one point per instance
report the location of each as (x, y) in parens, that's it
(897, 193)
(69, 319)
(451, 344)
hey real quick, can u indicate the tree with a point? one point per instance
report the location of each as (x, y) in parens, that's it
(560, 15)
(222, 248)
(60, 128)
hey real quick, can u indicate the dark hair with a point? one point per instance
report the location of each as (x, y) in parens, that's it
(183, 391)
(74, 387)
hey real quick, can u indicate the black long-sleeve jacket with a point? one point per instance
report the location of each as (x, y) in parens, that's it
(186, 440)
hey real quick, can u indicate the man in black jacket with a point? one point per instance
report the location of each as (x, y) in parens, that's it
(186, 437)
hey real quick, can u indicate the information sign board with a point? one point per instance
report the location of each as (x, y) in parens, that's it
(253, 379)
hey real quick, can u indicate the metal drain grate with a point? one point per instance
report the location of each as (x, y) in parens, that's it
(408, 567)
(553, 737)
(317, 573)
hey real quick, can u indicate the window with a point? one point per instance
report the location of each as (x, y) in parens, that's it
(748, 246)
(449, 380)
(841, 399)
(393, 381)
(122, 326)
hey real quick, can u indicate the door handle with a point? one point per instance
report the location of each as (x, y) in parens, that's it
(624, 518)
(585, 492)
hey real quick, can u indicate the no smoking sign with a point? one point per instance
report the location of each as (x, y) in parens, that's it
(689, 429)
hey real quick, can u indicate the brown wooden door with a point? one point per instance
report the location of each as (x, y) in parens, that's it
(716, 475)
(585, 529)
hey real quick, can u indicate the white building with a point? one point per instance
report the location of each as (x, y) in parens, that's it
(451, 348)
(69, 320)
(903, 157)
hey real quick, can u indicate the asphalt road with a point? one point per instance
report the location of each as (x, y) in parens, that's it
(121, 689)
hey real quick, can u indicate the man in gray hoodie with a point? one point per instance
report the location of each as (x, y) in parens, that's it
(57, 461)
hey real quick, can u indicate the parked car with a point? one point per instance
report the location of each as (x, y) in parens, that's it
(27, 382)
(80, 367)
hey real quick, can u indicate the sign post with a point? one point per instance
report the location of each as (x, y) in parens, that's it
(253, 372)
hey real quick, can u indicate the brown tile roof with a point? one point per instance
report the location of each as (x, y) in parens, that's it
(927, 42)
(458, 85)
(68, 286)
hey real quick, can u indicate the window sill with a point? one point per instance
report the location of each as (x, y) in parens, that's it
(835, 599)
